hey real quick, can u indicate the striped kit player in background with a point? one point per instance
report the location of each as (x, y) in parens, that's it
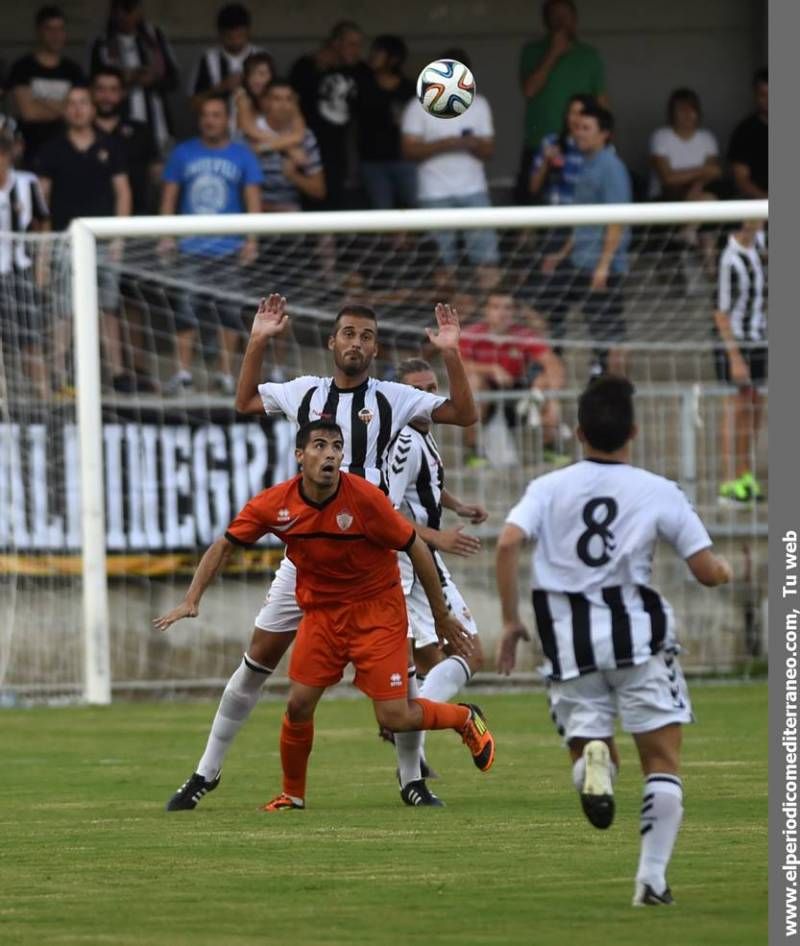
(608, 638)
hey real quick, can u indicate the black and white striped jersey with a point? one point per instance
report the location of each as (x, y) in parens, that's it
(596, 525)
(370, 416)
(416, 477)
(741, 292)
(21, 204)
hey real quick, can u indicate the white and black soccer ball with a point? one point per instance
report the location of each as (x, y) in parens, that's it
(446, 88)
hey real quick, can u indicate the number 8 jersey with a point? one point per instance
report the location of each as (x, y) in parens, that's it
(596, 524)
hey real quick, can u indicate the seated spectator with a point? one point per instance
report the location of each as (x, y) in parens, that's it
(503, 355)
(133, 138)
(290, 173)
(383, 92)
(219, 69)
(589, 268)
(558, 160)
(210, 174)
(148, 66)
(748, 151)
(257, 75)
(683, 156)
(22, 210)
(39, 82)
(83, 174)
(451, 155)
(327, 82)
(551, 71)
(740, 321)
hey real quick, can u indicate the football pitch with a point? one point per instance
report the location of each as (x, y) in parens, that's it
(89, 856)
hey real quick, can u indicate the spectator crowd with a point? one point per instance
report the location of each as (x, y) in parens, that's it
(341, 128)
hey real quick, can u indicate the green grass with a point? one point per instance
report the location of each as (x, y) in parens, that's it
(88, 855)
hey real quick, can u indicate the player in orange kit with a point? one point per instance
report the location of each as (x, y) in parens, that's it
(341, 533)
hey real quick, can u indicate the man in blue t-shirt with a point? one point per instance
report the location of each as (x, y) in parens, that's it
(210, 175)
(590, 267)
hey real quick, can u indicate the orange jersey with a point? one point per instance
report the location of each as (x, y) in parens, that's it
(343, 548)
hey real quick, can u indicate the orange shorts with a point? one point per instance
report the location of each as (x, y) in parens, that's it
(372, 635)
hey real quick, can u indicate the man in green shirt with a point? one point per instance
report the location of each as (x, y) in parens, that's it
(551, 70)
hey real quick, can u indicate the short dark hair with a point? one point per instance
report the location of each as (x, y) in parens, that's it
(277, 84)
(394, 47)
(356, 310)
(233, 16)
(259, 58)
(48, 12)
(341, 27)
(307, 431)
(689, 96)
(216, 98)
(604, 118)
(103, 70)
(411, 366)
(605, 412)
(459, 54)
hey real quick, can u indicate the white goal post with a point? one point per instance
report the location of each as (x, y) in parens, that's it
(84, 234)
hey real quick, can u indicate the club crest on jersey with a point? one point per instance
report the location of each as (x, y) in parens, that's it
(344, 520)
(283, 515)
(365, 414)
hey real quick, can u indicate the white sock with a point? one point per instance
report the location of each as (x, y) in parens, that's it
(238, 699)
(662, 811)
(408, 744)
(446, 679)
(579, 771)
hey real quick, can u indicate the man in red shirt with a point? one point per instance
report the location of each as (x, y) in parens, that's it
(500, 355)
(342, 533)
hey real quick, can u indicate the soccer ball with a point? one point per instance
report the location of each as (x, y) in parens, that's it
(445, 88)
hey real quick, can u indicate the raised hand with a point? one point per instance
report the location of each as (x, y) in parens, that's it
(507, 646)
(446, 335)
(270, 318)
(184, 610)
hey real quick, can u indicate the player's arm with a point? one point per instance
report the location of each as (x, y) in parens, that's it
(210, 564)
(459, 408)
(509, 545)
(270, 320)
(447, 627)
(709, 569)
(740, 373)
(472, 511)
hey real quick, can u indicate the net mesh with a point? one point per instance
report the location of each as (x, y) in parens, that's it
(179, 462)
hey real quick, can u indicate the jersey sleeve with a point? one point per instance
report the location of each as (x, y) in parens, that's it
(527, 514)
(251, 167)
(408, 403)
(383, 524)
(724, 284)
(680, 525)
(284, 397)
(402, 468)
(413, 122)
(252, 521)
(173, 170)
(485, 123)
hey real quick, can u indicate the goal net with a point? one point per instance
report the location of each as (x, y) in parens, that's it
(122, 456)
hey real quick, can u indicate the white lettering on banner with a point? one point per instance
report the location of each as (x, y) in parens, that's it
(168, 486)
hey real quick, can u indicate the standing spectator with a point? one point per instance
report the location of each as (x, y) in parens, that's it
(133, 138)
(219, 69)
(589, 268)
(558, 160)
(83, 174)
(503, 355)
(383, 93)
(741, 357)
(39, 82)
(683, 156)
(22, 210)
(553, 69)
(326, 82)
(148, 66)
(748, 152)
(290, 173)
(211, 175)
(451, 155)
(248, 103)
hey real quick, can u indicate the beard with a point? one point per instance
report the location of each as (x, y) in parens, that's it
(351, 366)
(108, 111)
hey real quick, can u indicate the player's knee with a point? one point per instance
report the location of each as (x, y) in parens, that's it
(299, 709)
(267, 648)
(393, 716)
